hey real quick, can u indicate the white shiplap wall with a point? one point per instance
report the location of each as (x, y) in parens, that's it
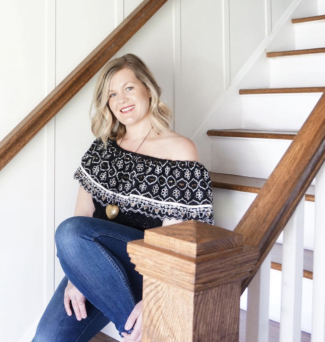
(199, 54)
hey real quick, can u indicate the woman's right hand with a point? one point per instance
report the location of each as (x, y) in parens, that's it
(78, 301)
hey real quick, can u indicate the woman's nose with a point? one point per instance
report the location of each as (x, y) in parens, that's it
(122, 98)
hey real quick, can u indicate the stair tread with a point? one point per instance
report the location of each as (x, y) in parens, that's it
(250, 133)
(276, 256)
(295, 52)
(101, 337)
(308, 19)
(247, 184)
(282, 90)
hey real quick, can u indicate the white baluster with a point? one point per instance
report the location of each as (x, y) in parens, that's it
(257, 326)
(292, 275)
(318, 327)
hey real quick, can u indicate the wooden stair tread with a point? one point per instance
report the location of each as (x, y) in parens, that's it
(247, 184)
(282, 90)
(249, 133)
(295, 52)
(274, 330)
(101, 337)
(306, 19)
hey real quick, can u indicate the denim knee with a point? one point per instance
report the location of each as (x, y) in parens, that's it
(67, 235)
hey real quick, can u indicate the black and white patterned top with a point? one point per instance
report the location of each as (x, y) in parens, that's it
(146, 189)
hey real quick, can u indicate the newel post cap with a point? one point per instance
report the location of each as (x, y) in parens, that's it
(192, 255)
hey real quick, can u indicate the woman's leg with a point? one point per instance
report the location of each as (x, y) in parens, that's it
(56, 326)
(93, 255)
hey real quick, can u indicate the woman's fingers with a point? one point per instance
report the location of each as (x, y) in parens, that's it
(135, 336)
(78, 302)
(76, 310)
(125, 339)
(82, 308)
(66, 302)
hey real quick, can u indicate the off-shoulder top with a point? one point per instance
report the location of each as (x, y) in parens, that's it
(146, 189)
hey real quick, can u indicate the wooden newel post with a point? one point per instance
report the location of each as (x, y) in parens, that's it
(192, 275)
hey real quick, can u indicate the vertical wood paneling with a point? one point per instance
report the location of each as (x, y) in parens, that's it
(92, 22)
(268, 17)
(292, 276)
(247, 30)
(318, 328)
(22, 60)
(321, 7)
(177, 67)
(258, 305)
(154, 44)
(202, 60)
(22, 181)
(119, 12)
(226, 43)
(278, 8)
(49, 224)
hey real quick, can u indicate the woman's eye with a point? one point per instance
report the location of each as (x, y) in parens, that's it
(111, 95)
(129, 88)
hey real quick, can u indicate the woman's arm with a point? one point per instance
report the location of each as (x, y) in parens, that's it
(84, 205)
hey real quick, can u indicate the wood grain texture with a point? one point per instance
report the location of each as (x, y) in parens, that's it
(75, 81)
(173, 314)
(193, 295)
(278, 267)
(306, 19)
(295, 52)
(247, 133)
(193, 238)
(195, 274)
(270, 211)
(247, 184)
(282, 90)
(100, 337)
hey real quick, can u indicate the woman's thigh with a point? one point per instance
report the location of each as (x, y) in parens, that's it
(56, 326)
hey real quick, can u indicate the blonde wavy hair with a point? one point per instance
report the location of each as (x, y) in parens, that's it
(104, 124)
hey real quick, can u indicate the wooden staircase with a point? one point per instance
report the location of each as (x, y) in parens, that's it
(247, 247)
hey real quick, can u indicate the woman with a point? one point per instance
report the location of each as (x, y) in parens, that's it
(137, 174)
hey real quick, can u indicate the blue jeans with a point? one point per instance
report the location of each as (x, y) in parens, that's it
(92, 253)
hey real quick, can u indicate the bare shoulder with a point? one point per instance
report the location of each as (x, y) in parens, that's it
(180, 147)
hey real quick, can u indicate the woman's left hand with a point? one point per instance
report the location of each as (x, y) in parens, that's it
(135, 316)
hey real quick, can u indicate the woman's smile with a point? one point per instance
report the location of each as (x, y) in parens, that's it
(127, 109)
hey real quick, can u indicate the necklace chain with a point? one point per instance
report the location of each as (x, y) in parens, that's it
(141, 142)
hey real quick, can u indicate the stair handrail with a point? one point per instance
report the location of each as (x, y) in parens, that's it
(268, 214)
(75, 81)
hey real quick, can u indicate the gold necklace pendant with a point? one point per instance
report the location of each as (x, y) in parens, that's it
(112, 211)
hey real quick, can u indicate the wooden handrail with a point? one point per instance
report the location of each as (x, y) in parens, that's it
(52, 103)
(268, 214)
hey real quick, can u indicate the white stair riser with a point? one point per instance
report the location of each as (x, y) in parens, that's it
(277, 111)
(230, 206)
(310, 35)
(248, 157)
(275, 302)
(298, 71)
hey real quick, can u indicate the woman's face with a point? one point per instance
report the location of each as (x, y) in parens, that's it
(128, 98)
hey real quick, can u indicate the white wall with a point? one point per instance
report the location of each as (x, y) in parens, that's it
(199, 55)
